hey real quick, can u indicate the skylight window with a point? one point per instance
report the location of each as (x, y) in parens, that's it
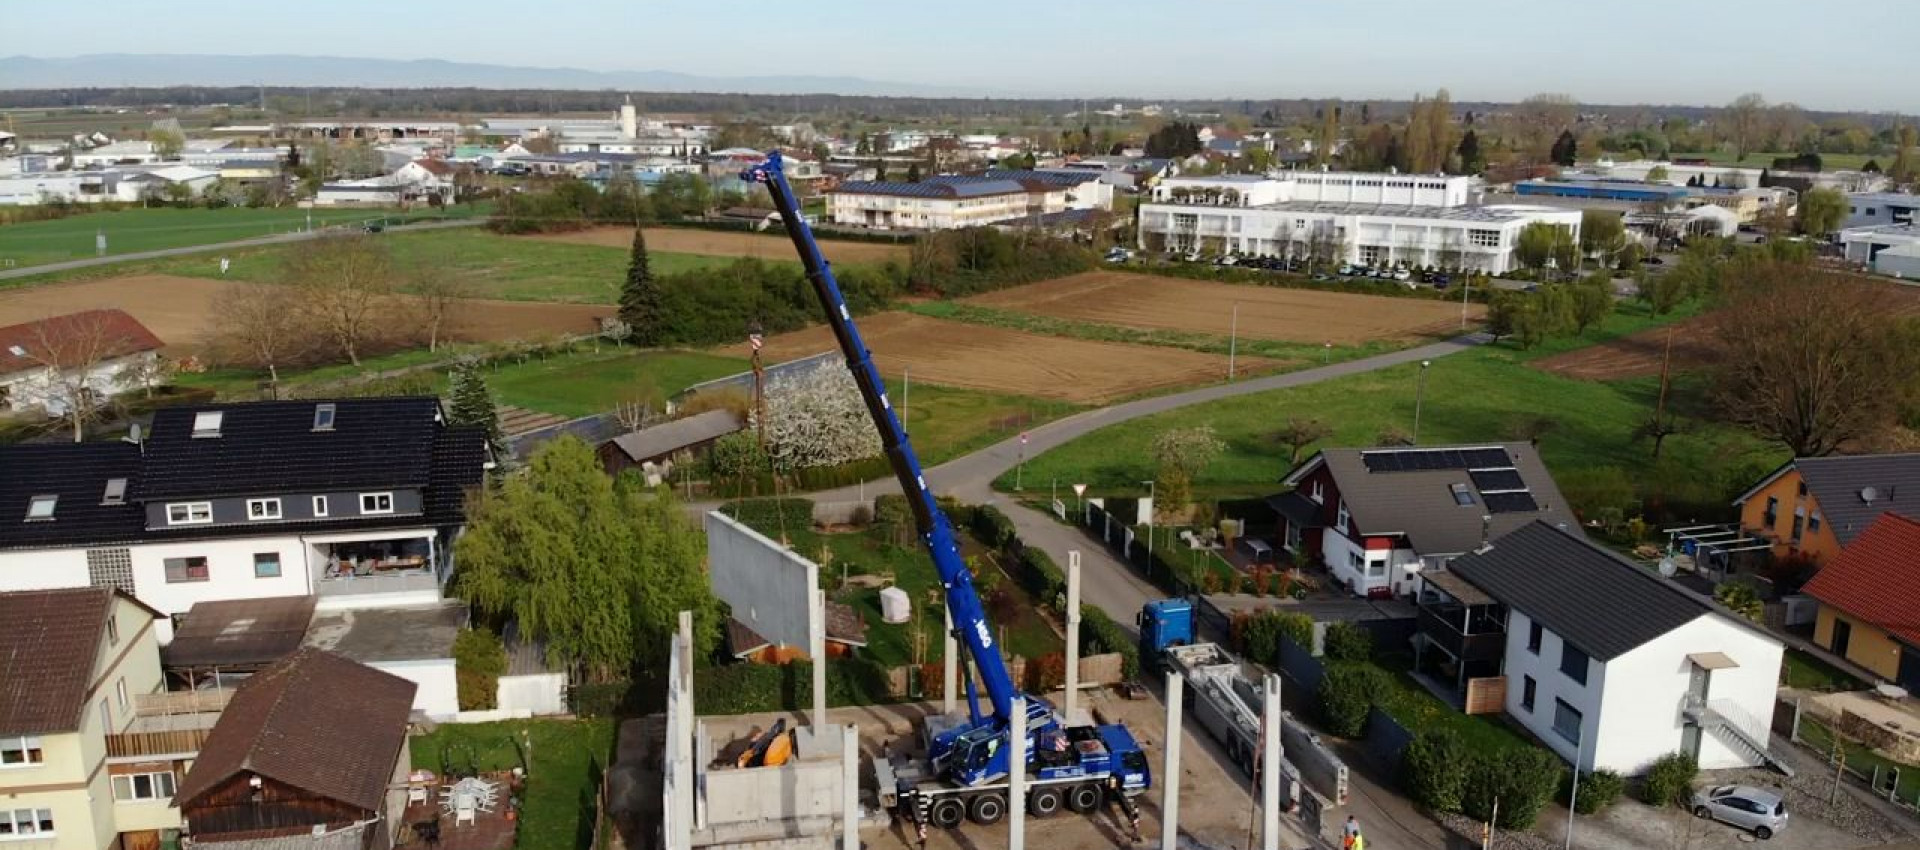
(1462, 496)
(206, 423)
(41, 507)
(17, 351)
(116, 493)
(323, 417)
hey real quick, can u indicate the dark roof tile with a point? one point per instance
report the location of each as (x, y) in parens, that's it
(272, 447)
(1413, 495)
(1837, 483)
(78, 474)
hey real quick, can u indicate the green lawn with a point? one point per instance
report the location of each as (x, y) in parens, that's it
(1829, 161)
(242, 384)
(569, 757)
(585, 383)
(1478, 395)
(1304, 353)
(947, 422)
(1804, 671)
(1418, 710)
(129, 231)
(496, 266)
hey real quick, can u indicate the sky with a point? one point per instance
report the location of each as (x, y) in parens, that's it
(1622, 51)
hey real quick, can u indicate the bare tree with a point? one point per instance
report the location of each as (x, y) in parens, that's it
(1299, 433)
(1743, 122)
(1812, 358)
(439, 302)
(76, 354)
(260, 328)
(1541, 119)
(344, 282)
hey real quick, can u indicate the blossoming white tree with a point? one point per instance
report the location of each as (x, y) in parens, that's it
(817, 418)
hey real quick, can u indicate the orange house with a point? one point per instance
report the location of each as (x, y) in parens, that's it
(1816, 506)
(1870, 601)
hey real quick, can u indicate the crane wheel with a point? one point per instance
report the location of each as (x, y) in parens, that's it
(988, 809)
(1044, 802)
(1084, 798)
(947, 813)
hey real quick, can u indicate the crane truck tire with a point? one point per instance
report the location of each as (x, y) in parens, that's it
(1084, 798)
(947, 813)
(1044, 802)
(988, 809)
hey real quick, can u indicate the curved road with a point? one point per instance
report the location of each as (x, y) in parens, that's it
(256, 242)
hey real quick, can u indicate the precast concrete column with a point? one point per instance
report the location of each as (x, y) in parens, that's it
(850, 788)
(1270, 777)
(1170, 773)
(817, 647)
(1073, 632)
(1017, 779)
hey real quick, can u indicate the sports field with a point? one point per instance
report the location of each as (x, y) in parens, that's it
(999, 360)
(129, 231)
(715, 243)
(1274, 313)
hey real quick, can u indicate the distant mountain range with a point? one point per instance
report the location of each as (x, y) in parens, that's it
(148, 70)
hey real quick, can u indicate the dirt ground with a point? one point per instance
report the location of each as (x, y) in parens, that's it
(1635, 355)
(181, 310)
(724, 244)
(1266, 312)
(1000, 360)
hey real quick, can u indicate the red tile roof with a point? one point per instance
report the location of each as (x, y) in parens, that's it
(49, 640)
(73, 337)
(1877, 579)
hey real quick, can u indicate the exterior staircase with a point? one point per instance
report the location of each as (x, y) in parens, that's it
(1733, 726)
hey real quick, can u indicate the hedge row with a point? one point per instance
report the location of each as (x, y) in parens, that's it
(1289, 280)
(790, 512)
(741, 689)
(1443, 774)
(1099, 633)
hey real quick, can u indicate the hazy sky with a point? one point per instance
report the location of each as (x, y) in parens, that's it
(1622, 51)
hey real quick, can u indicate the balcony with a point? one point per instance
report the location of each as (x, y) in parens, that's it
(1479, 637)
(168, 725)
(369, 567)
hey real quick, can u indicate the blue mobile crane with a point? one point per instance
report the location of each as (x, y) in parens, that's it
(963, 774)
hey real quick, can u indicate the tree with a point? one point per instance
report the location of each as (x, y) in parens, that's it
(1904, 167)
(1299, 433)
(1566, 149)
(1328, 136)
(1742, 122)
(73, 353)
(260, 327)
(1658, 174)
(642, 303)
(1602, 232)
(817, 418)
(167, 143)
(1472, 161)
(1541, 243)
(737, 459)
(1503, 311)
(439, 300)
(1180, 455)
(1540, 117)
(1812, 359)
(913, 172)
(345, 284)
(598, 569)
(1592, 301)
(1662, 292)
(470, 403)
(1822, 210)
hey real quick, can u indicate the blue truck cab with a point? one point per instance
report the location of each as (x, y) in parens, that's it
(1164, 623)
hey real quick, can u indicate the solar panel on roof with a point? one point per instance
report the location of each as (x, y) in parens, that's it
(1498, 479)
(1486, 458)
(1510, 503)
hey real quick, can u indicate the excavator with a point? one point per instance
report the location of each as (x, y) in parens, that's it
(964, 772)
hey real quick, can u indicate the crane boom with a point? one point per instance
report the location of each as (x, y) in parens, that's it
(969, 617)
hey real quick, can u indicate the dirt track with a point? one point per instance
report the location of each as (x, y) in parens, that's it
(181, 310)
(723, 244)
(1266, 312)
(1009, 361)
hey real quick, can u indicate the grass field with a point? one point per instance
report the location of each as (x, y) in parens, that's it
(587, 383)
(1829, 161)
(1286, 353)
(1806, 672)
(129, 231)
(569, 757)
(1485, 393)
(500, 267)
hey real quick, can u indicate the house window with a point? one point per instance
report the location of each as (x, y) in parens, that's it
(113, 632)
(21, 751)
(1799, 526)
(1527, 689)
(206, 423)
(1566, 721)
(319, 506)
(130, 787)
(106, 715)
(1813, 524)
(1376, 569)
(1534, 635)
(190, 513)
(1319, 494)
(376, 503)
(1484, 238)
(120, 693)
(1773, 512)
(1462, 496)
(266, 565)
(263, 509)
(1573, 662)
(186, 569)
(1803, 488)
(41, 507)
(20, 824)
(1341, 522)
(323, 417)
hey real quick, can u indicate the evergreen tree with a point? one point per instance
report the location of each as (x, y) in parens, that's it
(1566, 149)
(913, 173)
(1471, 160)
(469, 402)
(641, 309)
(880, 171)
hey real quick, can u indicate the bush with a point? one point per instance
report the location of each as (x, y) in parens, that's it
(1042, 577)
(753, 688)
(479, 660)
(794, 513)
(1099, 633)
(1598, 790)
(1670, 781)
(1433, 770)
(992, 527)
(1346, 696)
(1262, 634)
(1349, 642)
(1522, 779)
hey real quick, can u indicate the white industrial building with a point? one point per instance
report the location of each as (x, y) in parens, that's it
(953, 201)
(1889, 249)
(1681, 174)
(1871, 209)
(1372, 219)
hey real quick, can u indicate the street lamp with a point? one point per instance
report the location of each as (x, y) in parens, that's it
(1573, 797)
(1419, 395)
(1328, 356)
(1078, 506)
(1151, 490)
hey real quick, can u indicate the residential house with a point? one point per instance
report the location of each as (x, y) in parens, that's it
(1870, 600)
(356, 501)
(427, 178)
(40, 360)
(72, 664)
(1612, 666)
(309, 748)
(1377, 517)
(651, 450)
(1812, 507)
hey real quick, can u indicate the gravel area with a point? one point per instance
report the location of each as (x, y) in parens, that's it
(1806, 795)
(1470, 830)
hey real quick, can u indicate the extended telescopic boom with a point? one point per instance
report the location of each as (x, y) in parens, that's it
(969, 618)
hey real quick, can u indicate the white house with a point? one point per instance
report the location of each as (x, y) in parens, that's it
(39, 360)
(355, 501)
(1613, 666)
(1377, 517)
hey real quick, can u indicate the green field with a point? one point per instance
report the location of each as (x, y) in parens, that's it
(586, 383)
(1804, 671)
(569, 757)
(1828, 161)
(1294, 352)
(130, 231)
(1478, 395)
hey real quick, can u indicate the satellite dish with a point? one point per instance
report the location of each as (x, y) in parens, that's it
(1668, 567)
(133, 433)
(1869, 494)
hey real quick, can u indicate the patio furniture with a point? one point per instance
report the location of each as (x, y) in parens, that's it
(1890, 692)
(416, 794)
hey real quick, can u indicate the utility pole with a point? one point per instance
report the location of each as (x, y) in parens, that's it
(1660, 407)
(1233, 340)
(1419, 396)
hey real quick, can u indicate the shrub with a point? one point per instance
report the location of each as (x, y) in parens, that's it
(1099, 633)
(1598, 790)
(1046, 673)
(1348, 642)
(1522, 779)
(1670, 781)
(479, 660)
(1433, 770)
(791, 513)
(1262, 633)
(1741, 598)
(1042, 577)
(1346, 696)
(992, 527)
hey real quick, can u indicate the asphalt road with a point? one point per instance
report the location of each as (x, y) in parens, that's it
(256, 242)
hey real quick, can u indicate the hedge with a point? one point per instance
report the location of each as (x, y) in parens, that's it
(1288, 280)
(991, 527)
(1099, 633)
(1346, 696)
(1433, 770)
(753, 688)
(1262, 633)
(1348, 642)
(1598, 790)
(479, 660)
(792, 512)
(1522, 779)
(1669, 781)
